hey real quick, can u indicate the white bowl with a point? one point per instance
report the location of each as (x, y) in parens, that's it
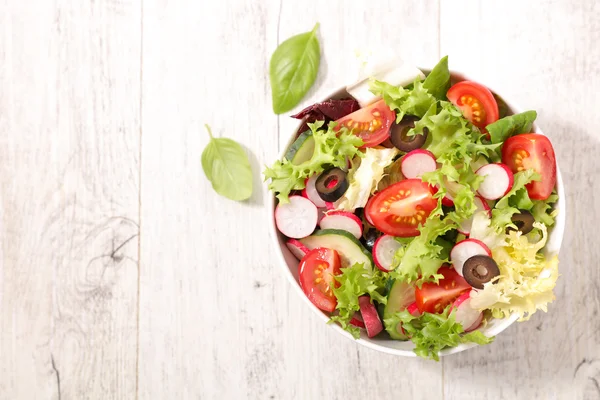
(405, 348)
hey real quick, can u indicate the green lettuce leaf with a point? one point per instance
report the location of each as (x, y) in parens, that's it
(515, 200)
(356, 281)
(543, 212)
(421, 257)
(413, 101)
(332, 147)
(512, 125)
(433, 332)
(438, 81)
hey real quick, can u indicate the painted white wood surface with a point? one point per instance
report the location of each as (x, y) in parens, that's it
(123, 275)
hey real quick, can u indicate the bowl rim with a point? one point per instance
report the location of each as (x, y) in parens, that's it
(553, 245)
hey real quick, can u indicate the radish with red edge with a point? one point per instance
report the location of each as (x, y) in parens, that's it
(482, 205)
(464, 314)
(417, 162)
(476, 324)
(384, 249)
(357, 321)
(370, 317)
(498, 180)
(343, 220)
(466, 249)
(413, 309)
(310, 192)
(296, 219)
(297, 248)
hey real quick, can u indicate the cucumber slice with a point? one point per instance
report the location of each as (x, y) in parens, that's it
(302, 149)
(401, 295)
(349, 249)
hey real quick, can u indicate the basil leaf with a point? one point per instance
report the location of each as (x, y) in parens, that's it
(511, 125)
(293, 69)
(437, 82)
(226, 166)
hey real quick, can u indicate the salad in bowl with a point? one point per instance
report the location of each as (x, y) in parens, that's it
(418, 212)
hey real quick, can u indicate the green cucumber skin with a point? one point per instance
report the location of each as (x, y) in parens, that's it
(393, 307)
(346, 235)
(295, 154)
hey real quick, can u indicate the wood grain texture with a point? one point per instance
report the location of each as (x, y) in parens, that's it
(80, 81)
(544, 57)
(69, 139)
(218, 319)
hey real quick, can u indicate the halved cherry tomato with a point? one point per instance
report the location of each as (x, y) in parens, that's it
(532, 150)
(476, 102)
(433, 298)
(372, 124)
(399, 209)
(317, 269)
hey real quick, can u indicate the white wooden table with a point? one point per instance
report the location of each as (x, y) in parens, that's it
(123, 275)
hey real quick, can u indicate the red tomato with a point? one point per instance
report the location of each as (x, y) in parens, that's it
(372, 123)
(399, 209)
(531, 150)
(476, 102)
(433, 298)
(317, 270)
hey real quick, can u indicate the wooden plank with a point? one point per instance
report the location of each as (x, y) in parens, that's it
(545, 57)
(69, 136)
(206, 324)
(217, 318)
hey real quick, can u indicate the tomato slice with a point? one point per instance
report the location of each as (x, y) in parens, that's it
(372, 124)
(532, 150)
(476, 102)
(317, 269)
(399, 209)
(433, 298)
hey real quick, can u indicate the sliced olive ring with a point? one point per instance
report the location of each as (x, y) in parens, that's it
(332, 184)
(523, 221)
(480, 269)
(400, 138)
(369, 238)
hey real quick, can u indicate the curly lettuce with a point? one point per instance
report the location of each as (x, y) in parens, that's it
(527, 278)
(332, 147)
(365, 177)
(433, 332)
(421, 257)
(514, 201)
(412, 101)
(356, 281)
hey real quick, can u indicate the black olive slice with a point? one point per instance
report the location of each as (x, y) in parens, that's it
(399, 135)
(480, 269)
(524, 222)
(369, 238)
(331, 184)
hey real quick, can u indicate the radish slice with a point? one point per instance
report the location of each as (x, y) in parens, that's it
(466, 249)
(297, 248)
(310, 192)
(448, 200)
(384, 249)
(343, 220)
(498, 180)
(296, 219)
(417, 162)
(413, 310)
(464, 314)
(369, 314)
(482, 205)
(357, 321)
(476, 324)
